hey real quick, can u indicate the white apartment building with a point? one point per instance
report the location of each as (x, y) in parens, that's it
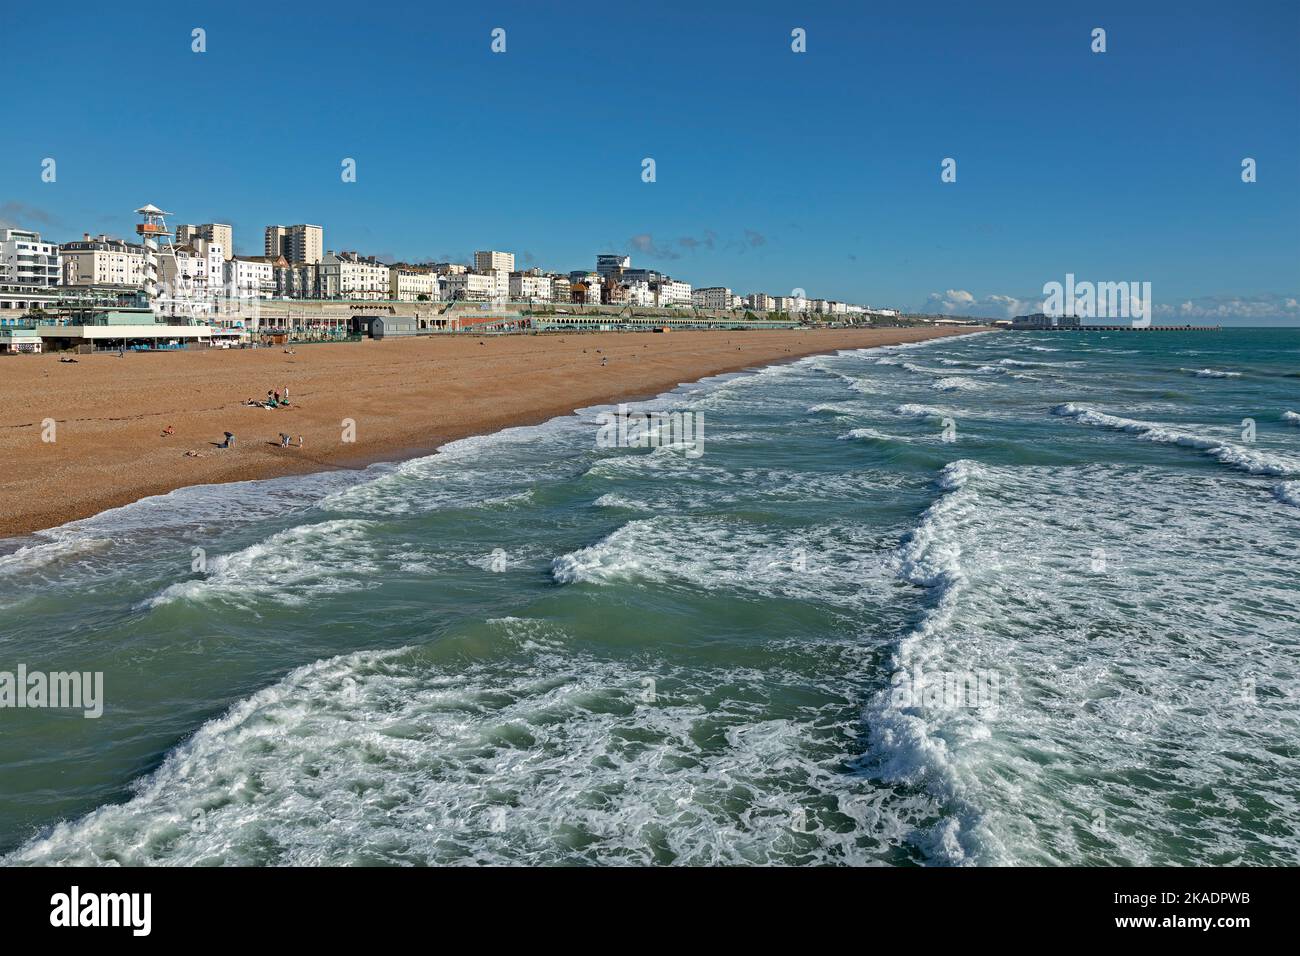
(301, 243)
(790, 303)
(829, 307)
(501, 284)
(250, 277)
(713, 297)
(346, 275)
(407, 285)
(760, 302)
(672, 292)
(529, 287)
(196, 272)
(491, 261)
(217, 233)
(102, 261)
(26, 260)
(638, 292)
(561, 289)
(471, 286)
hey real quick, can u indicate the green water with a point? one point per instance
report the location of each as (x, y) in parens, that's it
(528, 648)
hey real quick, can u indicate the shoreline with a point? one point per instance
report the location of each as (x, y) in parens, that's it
(406, 398)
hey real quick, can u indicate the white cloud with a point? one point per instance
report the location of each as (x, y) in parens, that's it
(1204, 309)
(961, 302)
(1220, 307)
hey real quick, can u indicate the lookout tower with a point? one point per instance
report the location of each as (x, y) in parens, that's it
(151, 230)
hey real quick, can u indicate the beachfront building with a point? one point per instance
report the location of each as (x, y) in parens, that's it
(470, 286)
(613, 292)
(216, 233)
(561, 289)
(25, 260)
(609, 263)
(130, 324)
(450, 268)
(413, 284)
(193, 275)
(530, 286)
(296, 280)
(585, 291)
(760, 302)
(20, 341)
(638, 292)
(790, 303)
(829, 307)
(348, 275)
(492, 261)
(670, 292)
(301, 243)
(713, 297)
(250, 277)
(102, 261)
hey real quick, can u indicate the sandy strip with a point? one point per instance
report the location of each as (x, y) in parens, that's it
(406, 397)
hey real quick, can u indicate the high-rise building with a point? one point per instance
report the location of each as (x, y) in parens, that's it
(490, 261)
(300, 243)
(216, 233)
(608, 264)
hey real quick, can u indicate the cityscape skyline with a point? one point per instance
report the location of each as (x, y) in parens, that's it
(843, 196)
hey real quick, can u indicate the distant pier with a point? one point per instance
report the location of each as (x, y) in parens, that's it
(1039, 322)
(1133, 328)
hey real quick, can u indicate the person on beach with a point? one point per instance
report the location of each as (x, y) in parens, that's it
(284, 440)
(299, 441)
(169, 430)
(229, 442)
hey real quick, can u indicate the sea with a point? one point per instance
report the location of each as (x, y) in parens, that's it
(999, 599)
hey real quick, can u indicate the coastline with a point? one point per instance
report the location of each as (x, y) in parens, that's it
(407, 398)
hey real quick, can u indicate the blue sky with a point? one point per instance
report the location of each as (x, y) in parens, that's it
(775, 170)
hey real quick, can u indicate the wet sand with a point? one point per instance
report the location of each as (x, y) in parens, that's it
(405, 397)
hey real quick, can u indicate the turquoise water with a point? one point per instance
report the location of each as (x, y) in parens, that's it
(531, 649)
